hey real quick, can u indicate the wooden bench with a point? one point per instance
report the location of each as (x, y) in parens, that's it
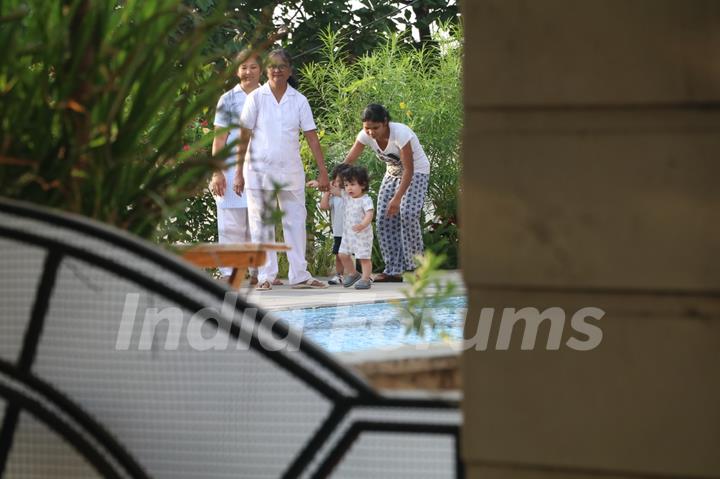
(238, 256)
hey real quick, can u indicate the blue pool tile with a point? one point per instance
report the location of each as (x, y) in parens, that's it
(361, 327)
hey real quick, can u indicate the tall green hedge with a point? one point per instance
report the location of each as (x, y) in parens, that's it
(420, 88)
(95, 100)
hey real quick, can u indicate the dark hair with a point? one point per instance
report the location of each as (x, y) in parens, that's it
(247, 54)
(282, 53)
(358, 174)
(375, 112)
(338, 170)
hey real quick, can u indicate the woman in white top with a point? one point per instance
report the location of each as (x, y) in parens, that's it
(270, 167)
(402, 192)
(232, 219)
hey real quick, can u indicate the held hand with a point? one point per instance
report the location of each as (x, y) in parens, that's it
(218, 184)
(359, 227)
(393, 207)
(323, 181)
(312, 184)
(239, 183)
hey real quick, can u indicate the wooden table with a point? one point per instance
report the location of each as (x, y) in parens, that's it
(238, 256)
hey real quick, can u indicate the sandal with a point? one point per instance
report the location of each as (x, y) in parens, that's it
(388, 278)
(352, 279)
(277, 282)
(264, 286)
(363, 284)
(310, 284)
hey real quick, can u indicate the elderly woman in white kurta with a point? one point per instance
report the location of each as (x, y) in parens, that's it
(269, 159)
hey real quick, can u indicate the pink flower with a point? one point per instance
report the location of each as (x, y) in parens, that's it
(186, 147)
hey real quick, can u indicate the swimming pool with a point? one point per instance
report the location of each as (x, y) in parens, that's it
(361, 327)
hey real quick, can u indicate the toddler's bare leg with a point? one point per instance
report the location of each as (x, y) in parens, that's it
(347, 262)
(366, 266)
(339, 267)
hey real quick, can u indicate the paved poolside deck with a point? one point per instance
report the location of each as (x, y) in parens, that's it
(284, 297)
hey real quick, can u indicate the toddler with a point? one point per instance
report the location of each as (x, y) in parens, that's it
(334, 201)
(357, 237)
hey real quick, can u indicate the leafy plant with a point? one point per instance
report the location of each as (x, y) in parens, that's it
(426, 292)
(362, 23)
(95, 98)
(420, 87)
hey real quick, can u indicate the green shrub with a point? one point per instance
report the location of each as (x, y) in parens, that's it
(420, 88)
(95, 101)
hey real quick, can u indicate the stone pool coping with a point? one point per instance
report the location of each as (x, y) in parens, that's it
(432, 367)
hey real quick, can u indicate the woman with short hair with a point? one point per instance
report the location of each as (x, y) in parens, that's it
(232, 219)
(270, 165)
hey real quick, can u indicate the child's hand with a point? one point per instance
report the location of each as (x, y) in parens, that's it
(359, 227)
(312, 184)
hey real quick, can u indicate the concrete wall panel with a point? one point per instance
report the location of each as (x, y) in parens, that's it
(592, 200)
(644, 401)
(527, 52)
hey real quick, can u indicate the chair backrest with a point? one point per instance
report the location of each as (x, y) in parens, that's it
(117, 359)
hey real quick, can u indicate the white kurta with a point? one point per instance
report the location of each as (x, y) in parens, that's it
(227, 113)
(273, 156)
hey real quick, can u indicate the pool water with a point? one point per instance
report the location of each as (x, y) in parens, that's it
(361, 327)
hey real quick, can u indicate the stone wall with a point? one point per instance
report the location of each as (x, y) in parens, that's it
(591, 178)
(436, 368)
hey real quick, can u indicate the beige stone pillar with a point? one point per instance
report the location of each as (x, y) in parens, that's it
(592, 179)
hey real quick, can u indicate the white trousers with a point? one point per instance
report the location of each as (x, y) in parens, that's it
(233, 227)
(292, 203)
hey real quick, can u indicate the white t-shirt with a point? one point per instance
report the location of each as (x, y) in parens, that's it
(400, 135)
(337, 212)
(227, 114)
(274, 152)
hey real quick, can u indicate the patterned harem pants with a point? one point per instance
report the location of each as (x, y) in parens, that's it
(400, 236)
